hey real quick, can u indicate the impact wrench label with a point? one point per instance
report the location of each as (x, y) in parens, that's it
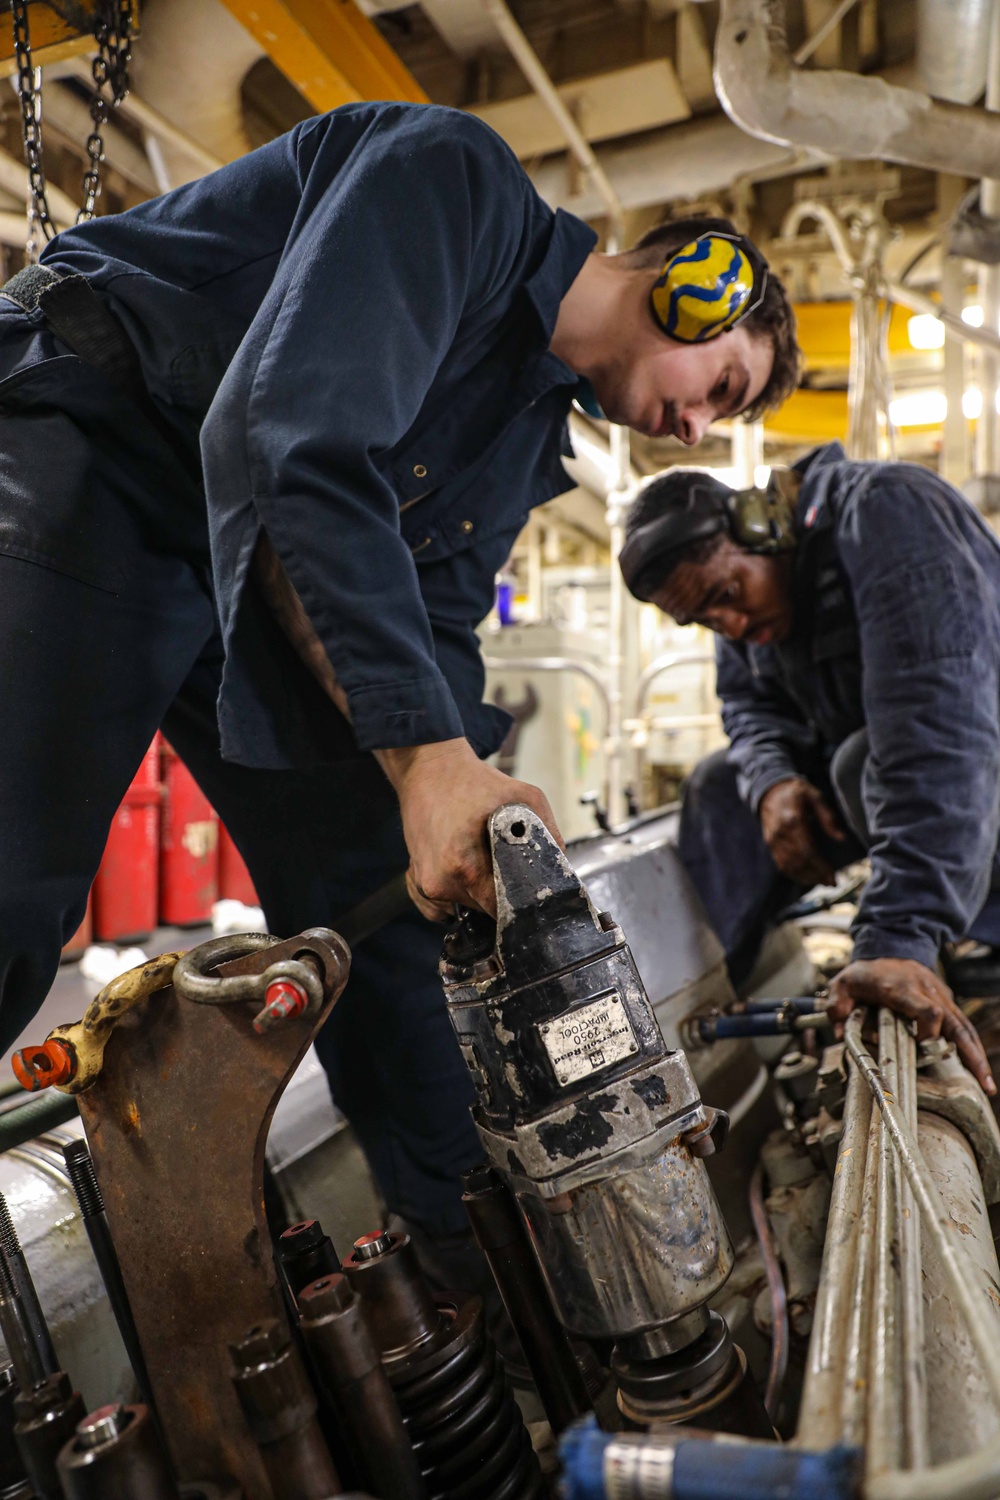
(581, 1042)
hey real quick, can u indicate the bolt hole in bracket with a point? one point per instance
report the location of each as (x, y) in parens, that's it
(177, 1123)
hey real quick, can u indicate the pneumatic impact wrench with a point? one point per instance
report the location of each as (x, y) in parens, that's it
(598, 1131)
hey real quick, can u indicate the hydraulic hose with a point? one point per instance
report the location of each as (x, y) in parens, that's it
(776, 1290)
(38, 1114)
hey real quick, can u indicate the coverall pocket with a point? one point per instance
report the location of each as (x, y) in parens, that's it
(59, 506)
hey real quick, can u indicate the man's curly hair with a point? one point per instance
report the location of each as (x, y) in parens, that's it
(772, 320)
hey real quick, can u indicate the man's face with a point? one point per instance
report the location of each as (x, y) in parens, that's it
(665, 389)
(735, 593)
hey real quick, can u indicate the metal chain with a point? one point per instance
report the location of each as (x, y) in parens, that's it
(29, 94)
(113, 35)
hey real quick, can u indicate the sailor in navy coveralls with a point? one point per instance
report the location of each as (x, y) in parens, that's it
(357, 350)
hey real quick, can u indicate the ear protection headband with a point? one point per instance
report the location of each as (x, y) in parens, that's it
(708, 287)
(758, 520)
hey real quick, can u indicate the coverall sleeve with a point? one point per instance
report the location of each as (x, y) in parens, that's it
(930, 651)
(764, 724)
(419, 227)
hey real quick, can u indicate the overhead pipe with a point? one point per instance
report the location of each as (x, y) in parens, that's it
(190, 65)
(534, 71)
(989, 276)
(843, 115)
(953, 39)
(700, 156)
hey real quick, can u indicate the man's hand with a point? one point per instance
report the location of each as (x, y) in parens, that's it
(912, 990)
(791, 813)
(446, 795)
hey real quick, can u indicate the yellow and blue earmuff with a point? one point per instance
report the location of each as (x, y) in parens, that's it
(708, 287)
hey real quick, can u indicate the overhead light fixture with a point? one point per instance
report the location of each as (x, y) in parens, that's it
(973, 316)
(918, 409)
(972, 403)
(924, 331)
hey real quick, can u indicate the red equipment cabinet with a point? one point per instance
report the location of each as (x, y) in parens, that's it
(189, 847)
(127, 886)
(234, 877)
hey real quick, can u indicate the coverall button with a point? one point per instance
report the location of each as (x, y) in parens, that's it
(467, 526)
(420, 470)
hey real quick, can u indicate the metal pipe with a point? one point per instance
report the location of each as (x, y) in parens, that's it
(989, 276)
(884, 1418)
(911, 1269)
(820, 1410)
(549, 665)
(952, 43)
(664, 663)
(916, 301)
(976, 1477)
(855, 1374)
(531, 66)
(500, 1234)
(844, 115)
(819, 36)
(617, 603)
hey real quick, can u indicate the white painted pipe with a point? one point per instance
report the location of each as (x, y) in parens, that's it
(842, 115)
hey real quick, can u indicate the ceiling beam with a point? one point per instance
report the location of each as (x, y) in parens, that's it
(328, 50)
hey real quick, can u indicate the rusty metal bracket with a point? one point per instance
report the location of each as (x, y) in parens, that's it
(177, 1123)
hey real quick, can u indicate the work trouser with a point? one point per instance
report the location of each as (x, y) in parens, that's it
(95, 655)
(723, 850)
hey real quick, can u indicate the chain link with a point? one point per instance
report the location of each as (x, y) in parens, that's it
(113, 35)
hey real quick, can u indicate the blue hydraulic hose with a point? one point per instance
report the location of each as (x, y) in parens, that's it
(702, 1469)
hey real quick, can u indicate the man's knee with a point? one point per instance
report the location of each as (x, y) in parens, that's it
(847, 769)
(712, 782)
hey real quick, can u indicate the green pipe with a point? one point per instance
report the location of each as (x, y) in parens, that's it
(38, 1114)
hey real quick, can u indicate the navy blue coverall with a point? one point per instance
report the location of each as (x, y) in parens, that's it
(887, 697)
(347, 332)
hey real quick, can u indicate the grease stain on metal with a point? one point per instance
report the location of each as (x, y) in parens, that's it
(586, 1131)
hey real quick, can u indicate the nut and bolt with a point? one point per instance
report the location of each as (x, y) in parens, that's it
(371, 1246)
(283, 1001)
(103, 1425)
(261, 1346)
(330, 1294)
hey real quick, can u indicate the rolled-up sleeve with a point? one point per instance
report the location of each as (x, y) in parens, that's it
(395, 245)
(930, 645)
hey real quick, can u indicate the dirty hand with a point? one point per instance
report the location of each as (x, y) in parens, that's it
(912, 990)
(446, 795)
(791, 812)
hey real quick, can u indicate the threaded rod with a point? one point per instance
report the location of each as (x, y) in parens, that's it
(24, 1295)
